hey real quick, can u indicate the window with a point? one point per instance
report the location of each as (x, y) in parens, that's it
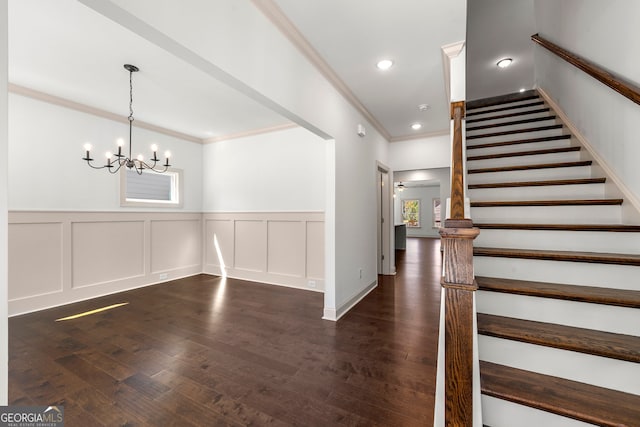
(437, 221)
(411, 212)
(151, 189)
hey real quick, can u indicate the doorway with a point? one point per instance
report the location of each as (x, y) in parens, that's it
(385, 220)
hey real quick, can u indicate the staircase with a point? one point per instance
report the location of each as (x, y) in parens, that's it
(558, 273)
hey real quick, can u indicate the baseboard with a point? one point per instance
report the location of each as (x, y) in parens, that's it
(336, 314)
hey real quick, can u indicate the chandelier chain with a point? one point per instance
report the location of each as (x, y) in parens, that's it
(130, 95)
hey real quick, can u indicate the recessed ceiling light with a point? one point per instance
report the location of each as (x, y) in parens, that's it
(416, 126)
(385, 64)
(423, 107)
(504, 62)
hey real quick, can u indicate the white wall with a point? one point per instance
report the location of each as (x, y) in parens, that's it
(426, 195)
(424, 153)
(46, 171)
(607, 35)
(273, 172)
(287, 82)
(3, 204)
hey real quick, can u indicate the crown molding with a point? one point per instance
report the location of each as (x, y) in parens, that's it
(419, 136)
(273, 12)
(83, 108)
(250, 133)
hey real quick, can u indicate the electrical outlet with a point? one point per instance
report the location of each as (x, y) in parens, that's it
(311, 283)
(163, 276)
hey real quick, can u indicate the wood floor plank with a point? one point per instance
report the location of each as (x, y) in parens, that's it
(248, 354)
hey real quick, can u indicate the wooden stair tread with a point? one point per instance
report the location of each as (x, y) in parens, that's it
(506, 116)
(573, 202)
(578, 181)
(581, 340)
(515, 131)
(572, 256)
(530, 167)
(508, 98)
(580, 401)
(518, 141)
(620, 228)
(525, 153)
(589, 294)
(512, 123)
(470, 112)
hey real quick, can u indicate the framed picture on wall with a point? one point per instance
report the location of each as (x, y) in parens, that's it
(411, 212)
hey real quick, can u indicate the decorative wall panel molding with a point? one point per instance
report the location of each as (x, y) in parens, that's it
(56, 258)
(282, 248)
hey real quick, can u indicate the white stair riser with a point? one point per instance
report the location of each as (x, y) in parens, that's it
(472, 128)
(568, 272)
(515, 136)
(502, 413)
(596, 214)
(547, 192)
(530, 175)
(599, 371)
(572, 156)
(600, 317)
(513, 107)
(471, 123)
(584, 241)
(557, 143)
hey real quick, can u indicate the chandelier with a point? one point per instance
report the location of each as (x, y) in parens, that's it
(116, 161)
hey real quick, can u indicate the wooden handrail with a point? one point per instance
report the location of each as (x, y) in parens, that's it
(615, 82)
(459, 285)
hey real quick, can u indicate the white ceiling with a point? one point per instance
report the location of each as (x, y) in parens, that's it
(66, 49)
(352, 36)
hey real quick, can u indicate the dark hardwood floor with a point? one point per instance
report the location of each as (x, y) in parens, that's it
(208, 351)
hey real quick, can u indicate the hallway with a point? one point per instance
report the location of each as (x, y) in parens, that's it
(209, 351)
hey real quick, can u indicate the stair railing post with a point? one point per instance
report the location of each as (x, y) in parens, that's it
(458, 286)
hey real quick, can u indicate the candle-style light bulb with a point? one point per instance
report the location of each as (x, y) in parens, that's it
(108, 155)
(140, 157)
(120, 143)
(154, 148)
(167, 155)
(87, 149)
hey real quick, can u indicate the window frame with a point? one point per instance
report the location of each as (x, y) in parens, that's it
(177, 191)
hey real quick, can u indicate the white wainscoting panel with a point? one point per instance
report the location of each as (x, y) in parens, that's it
(250, 245)
(105, 251)
(285, 238)
(315, 249)
(219, 233)
(35, 259)
(175, 244)
(56, 258)
(282, 248)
